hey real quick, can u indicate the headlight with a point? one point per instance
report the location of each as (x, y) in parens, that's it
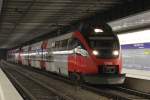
(97, 30)
(95, 52)
(115, 52)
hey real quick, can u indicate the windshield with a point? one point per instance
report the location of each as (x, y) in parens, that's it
(103, 42)
(104, 45)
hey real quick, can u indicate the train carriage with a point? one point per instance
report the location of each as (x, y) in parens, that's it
(16, 54)
(24, 54)
(91, 53)
(35, 55)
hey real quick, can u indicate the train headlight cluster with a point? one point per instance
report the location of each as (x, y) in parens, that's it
(115, 52)
(95, 52)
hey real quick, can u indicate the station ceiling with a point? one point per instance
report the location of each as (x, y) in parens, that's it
(24, 20)
(136, 22)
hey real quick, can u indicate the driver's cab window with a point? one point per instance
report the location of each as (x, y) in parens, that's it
(74, 43)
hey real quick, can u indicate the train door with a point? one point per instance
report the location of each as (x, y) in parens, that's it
(29, 57)
(59, 58)
(43, 59)
(20, 51)
(50, 64)
(63, 57)
(26, 55)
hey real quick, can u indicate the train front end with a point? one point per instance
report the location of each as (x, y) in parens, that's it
(105, 54)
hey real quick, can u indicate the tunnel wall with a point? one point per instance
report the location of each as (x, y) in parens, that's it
(3, 54)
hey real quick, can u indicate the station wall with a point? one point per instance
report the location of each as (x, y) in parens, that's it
(3, 53)
(136, 53)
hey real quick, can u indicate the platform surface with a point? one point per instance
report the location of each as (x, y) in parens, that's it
(7, 90)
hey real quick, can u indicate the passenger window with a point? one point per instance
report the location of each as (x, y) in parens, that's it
(57, 44)
(53, 44)
(60, 43)
(64, 43)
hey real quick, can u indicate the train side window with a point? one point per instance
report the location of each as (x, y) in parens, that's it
(25, 55)
(32, 54)
(64, 43)
(70, 42)
(57, 44)
(53, 44)
(60, 43)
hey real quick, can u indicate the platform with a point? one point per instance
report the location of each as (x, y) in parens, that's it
(7, 90)
(140, 77)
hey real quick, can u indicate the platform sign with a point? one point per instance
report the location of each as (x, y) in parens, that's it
(136, 56)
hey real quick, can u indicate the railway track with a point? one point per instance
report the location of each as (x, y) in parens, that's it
(131, 91)
(110, 92)
(31, 88)
(116, 94)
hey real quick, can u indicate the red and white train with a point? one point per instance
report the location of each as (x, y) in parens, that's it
(91, 53)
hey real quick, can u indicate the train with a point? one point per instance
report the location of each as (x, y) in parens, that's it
(90, 53)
